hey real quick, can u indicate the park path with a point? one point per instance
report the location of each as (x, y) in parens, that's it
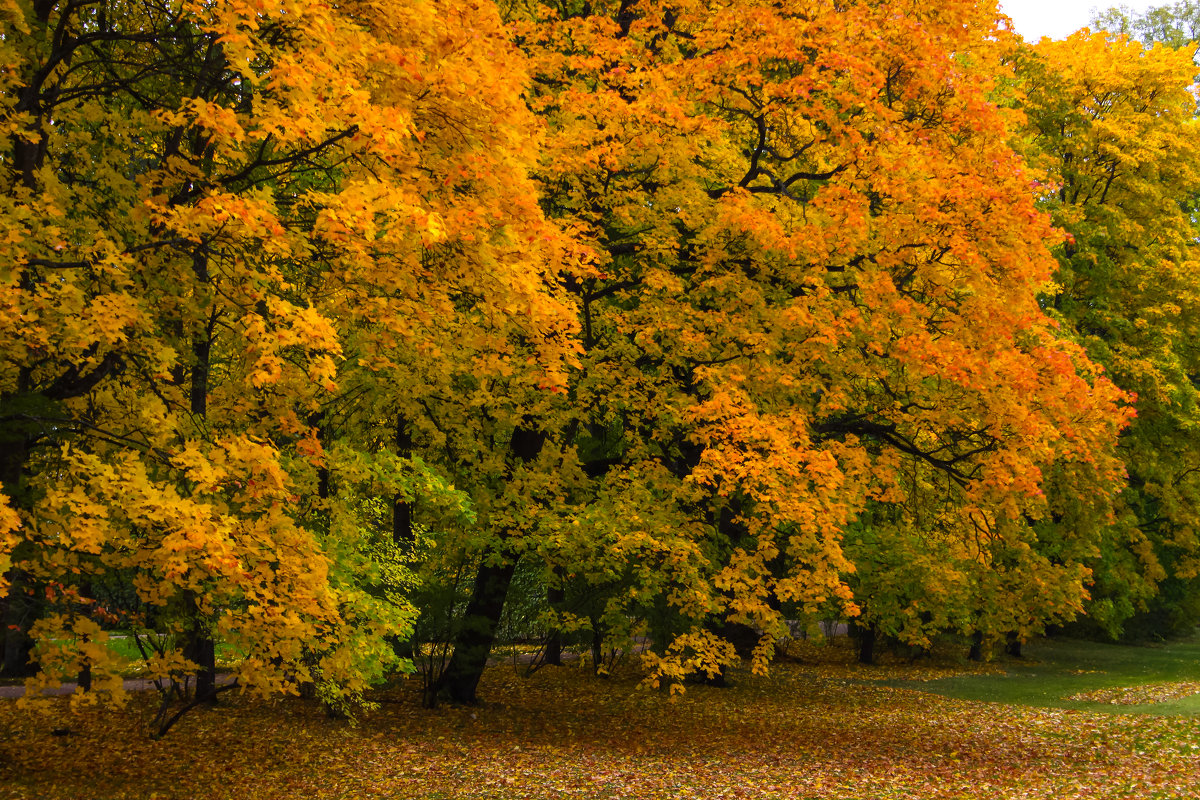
(131, 685)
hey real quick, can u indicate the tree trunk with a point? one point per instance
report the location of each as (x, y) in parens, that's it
(597, 645)
(1013, 645)
(14, 451)
(474, 640)
(201, 649)
(555, 595)
(867, 637)
(17, 644)
(976, 652)
(403, 535)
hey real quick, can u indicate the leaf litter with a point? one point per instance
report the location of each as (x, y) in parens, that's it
(807, 731)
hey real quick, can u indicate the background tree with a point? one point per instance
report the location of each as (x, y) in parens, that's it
(1175, 25)
(1112, 123)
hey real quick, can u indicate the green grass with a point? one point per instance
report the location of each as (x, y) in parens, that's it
(1055, 669)
(125, 648)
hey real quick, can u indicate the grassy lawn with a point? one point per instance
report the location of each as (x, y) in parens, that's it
(1053, 671)
(818, 727)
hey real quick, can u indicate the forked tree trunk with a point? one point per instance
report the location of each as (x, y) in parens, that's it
(474, 640)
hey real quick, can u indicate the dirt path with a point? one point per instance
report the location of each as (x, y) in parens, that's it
(131, 685)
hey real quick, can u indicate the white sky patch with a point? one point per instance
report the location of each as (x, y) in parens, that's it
(1058, 19)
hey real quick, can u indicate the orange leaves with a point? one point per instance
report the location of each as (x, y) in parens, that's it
(820, 731)
(819, 289)
(748, 277)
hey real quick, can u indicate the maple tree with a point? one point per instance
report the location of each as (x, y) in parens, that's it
(1112, 123)
(817, 284)
(229, 229)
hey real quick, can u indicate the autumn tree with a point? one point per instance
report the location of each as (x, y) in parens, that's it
(1175, 25)
(233, 234)
(1112, 123)
(819, 265)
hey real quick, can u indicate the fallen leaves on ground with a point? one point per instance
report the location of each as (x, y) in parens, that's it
(563, 734)
(1146, 694)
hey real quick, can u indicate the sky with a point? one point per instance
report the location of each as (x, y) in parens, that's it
(1060, 18)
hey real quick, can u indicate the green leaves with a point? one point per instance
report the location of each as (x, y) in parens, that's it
(1112, 124)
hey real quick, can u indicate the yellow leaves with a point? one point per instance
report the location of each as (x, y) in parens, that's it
(10, 524)
(66, 644)
(216, 120)
(691, 653)
(205, 475)
(249, 216)
(16, 15)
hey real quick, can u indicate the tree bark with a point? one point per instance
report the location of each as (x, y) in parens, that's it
(867, 637)
(14, 452)
(403, 535)
(976, 651)
(554, 644)
(17, 644)
(474, 640)
(597, 645)
(200, 647)
(202, 650)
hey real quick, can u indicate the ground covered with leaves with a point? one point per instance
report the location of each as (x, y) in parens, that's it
(809, 731)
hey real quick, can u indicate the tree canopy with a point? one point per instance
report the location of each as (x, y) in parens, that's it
(700, 320)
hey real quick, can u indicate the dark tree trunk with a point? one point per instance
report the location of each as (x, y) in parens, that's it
(478, 631)
(554, 644)
(14, 452)
(1013, 645)
(403, 535)
(201, 649)
(597, 645)
(17, 611)
(867, 637)
(84, 679)
(976, 651)
(474, 640)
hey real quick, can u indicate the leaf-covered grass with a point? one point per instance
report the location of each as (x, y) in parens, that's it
(1088, 676)
(812, 730)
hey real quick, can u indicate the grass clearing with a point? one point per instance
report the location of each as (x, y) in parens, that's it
(1053, 671)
